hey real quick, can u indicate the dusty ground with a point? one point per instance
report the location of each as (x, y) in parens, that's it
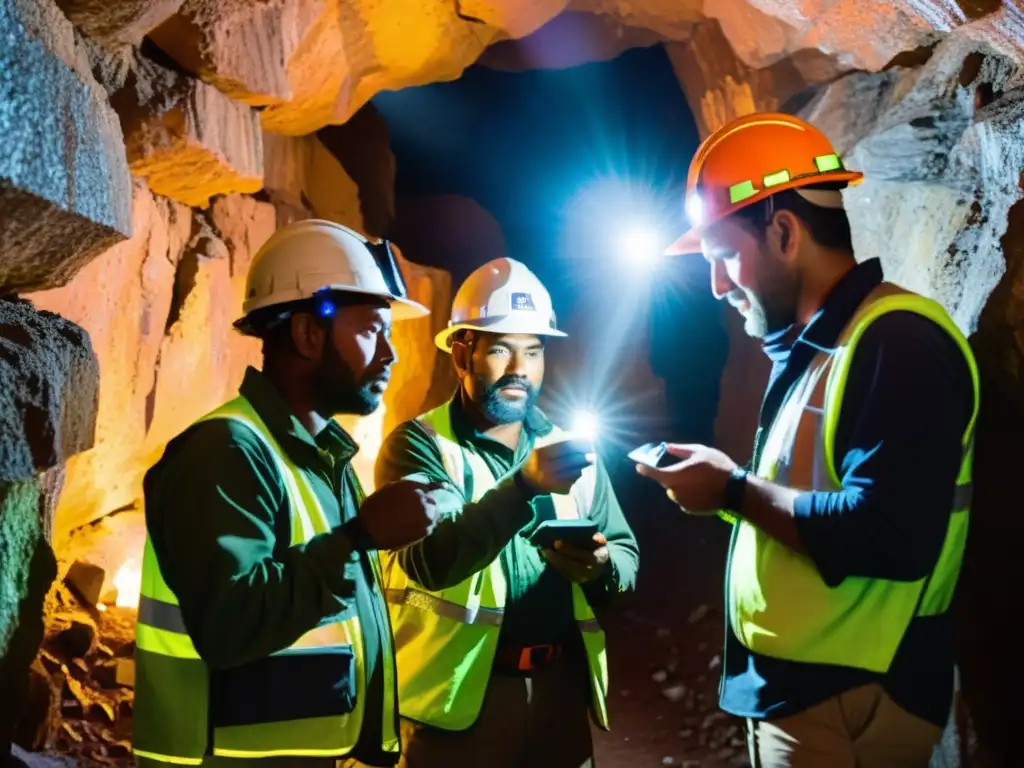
(664, 643)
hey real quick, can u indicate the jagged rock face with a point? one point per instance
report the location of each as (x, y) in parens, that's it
(65, 191)
(942, 154)
(188, 140)
(314, 62)
(117, 22)
(159, 309)
(48, 388)
(721, 88)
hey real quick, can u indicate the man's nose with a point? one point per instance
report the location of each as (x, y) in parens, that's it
(721, 285)
(388, 355)
(516, 365)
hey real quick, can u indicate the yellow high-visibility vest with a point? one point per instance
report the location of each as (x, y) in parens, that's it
(778, 604)
(181, 715)
(445, 640)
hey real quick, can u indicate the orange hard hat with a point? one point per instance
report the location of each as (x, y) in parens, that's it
(750, 159)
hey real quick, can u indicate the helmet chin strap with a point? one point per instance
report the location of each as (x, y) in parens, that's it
(823, 198)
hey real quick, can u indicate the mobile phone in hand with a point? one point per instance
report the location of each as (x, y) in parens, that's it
(652, 455)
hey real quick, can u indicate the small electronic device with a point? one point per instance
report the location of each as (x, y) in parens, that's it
(652, 454)
(578, 533)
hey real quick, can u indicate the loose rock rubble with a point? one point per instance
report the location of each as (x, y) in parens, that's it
(80, 700)
(678, 703)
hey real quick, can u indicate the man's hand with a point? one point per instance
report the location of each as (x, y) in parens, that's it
(697, 483)
(554, 468)
(400, 513)
(579, 564)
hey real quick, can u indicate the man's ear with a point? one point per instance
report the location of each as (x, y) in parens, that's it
(786, 231)
(308, 336)
(460, 357)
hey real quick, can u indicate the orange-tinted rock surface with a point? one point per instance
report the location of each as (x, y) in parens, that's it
(188, 140)
(314, 62)
(158, 309)
(720, 87)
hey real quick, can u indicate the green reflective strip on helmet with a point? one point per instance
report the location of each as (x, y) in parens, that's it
(826, 163)
(774, 179)
(742, 191)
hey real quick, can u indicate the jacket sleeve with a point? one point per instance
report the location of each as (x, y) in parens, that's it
(469, 536)
(898, 449)
(624, 554)
(218, 519)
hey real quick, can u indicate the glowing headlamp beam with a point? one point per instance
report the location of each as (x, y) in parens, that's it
(585, 426)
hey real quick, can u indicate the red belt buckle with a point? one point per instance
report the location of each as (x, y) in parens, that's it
(526, 656)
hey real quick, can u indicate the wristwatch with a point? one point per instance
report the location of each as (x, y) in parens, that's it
(735, 489)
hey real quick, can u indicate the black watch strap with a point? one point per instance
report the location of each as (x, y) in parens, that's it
(735, 489)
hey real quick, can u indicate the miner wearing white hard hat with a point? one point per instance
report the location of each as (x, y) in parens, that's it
(501, 661)
(263, 632)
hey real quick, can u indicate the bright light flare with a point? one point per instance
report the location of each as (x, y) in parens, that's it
(641, 246)
(585, 426)
(128, 582)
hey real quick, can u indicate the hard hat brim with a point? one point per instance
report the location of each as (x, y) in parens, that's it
(690, 242)
(498, 325)
(401, 308)
(686, 245)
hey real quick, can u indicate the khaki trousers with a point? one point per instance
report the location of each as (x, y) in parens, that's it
(541, 721)
(862, 728)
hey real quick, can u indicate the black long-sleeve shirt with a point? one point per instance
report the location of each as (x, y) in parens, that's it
(908, 401)
(470, 536)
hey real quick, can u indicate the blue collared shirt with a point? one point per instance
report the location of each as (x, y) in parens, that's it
(908, 401)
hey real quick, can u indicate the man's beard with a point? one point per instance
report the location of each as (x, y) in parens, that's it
(339, 391)
(755, 319)
(498, 409)
(764, 315)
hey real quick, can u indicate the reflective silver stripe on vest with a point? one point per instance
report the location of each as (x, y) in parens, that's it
(427, 602)
(160, 615)
(588, 625)
(962, 496)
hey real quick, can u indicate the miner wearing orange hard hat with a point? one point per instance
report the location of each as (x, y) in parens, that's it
(849, 527)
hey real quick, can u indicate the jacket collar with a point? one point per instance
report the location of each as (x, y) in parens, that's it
(285, 426)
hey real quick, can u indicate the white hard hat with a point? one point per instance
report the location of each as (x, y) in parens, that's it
(502, 296)
(314, 255)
